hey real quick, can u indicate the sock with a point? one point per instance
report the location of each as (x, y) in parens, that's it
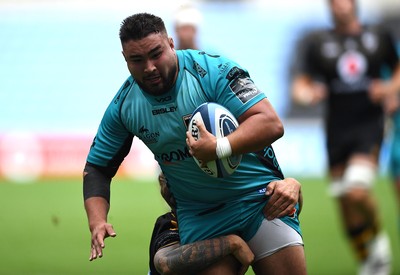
(360, 237)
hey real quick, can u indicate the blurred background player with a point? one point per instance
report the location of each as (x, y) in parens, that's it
(343, 66)
(186, 23)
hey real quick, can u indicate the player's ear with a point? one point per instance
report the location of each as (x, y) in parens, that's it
(171, 42)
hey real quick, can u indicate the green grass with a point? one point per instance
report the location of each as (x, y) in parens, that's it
(44, 228)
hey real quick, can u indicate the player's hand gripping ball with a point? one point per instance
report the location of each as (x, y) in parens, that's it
(220, 122)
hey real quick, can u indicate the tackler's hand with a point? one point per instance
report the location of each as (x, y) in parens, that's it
(283, 197)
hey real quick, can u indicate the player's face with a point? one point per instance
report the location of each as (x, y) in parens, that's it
(152, 62)
(343, 11)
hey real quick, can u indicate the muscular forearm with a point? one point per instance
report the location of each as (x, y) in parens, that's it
(96, 210)
(192, 258)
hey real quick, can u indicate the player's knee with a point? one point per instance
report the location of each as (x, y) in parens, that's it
(356, 182)
(359, 177)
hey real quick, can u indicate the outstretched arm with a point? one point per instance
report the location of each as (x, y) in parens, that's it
(96, 192)
(97, 209)
(195, 257)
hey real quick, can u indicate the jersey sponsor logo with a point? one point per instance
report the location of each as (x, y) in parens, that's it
(172, 156)
(164, 110)
(147, 136)
(235, 72)
(163, 99)
(244, 89)
(199, 69)
(269, 153)
(263, 190)
(268, 158)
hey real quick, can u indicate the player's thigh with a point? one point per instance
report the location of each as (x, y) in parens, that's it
(278, 247)
(227, 266)
(287, 261)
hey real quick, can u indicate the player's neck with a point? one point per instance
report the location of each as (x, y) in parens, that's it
(352, 27)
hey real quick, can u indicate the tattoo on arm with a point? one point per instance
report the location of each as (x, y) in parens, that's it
(190, 258)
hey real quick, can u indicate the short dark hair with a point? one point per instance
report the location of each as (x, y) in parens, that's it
(139, 26)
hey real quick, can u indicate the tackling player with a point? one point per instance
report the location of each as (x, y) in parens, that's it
(168, 256)
(223, 255)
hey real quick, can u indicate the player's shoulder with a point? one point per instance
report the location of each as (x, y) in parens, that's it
(200, 55)
(377, 29)
(127, 85)
(116, 105)
(373, 27)
(315, 37)
(324, 35)
(205, 59)
(126, 88)
(210, 66)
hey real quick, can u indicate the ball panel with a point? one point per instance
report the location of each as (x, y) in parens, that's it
(220, 122)
(227, 125)
(193, 126)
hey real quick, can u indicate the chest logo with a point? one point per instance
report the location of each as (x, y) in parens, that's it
(148, 137)
(351, 66)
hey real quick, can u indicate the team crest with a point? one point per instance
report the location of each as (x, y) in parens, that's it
(351, 66)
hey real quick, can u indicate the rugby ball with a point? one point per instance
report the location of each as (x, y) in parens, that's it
(220, 122)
